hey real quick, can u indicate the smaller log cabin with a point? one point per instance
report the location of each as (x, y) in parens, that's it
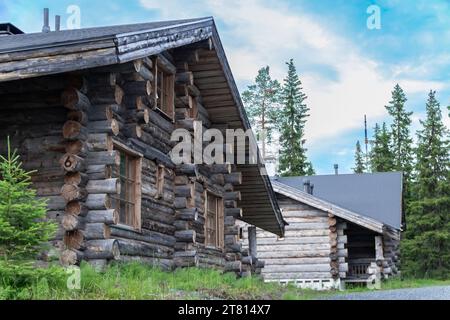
(341, 229)
(92, 112)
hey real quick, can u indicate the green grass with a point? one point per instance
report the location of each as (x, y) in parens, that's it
(136, 281)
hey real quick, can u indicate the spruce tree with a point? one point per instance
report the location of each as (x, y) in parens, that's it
(401, 140)
(292, 118)
(381, 158)
(360, 165)
(22, 216)
(261, 100)
(426, 249)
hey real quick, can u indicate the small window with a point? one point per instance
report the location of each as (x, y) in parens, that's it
(164, 90)
(160, 175)
(128, 201)
(214, 222)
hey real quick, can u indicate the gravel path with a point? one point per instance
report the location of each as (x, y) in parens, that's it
(426, 293)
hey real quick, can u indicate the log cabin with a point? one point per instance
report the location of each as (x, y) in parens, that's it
(92, 111)
(341, 229)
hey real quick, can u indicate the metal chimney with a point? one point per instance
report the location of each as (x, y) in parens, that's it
(57, 23)
(336, 169)
(46, 27)
(307, 186)
(311, 189)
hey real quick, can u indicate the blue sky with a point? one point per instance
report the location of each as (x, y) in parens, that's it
(347, 70)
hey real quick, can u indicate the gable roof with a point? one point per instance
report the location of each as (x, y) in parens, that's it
(303, 197)
(39, 54)
(374, 195)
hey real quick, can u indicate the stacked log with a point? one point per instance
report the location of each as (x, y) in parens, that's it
(333, 235)
(73, 162)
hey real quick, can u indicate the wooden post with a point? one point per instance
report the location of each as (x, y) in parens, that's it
(379, 248)
(252, 241)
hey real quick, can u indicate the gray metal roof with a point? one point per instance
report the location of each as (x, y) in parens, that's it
(44, 40)
(374, 195)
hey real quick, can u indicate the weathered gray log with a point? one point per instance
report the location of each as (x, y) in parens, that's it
(137, 88)
(110, 216)
(181, 224)
(180, 203)
(186, 78)
(233, 212)
(141, 116)
(73, 99)
(181, 262)
(103, 186)
(184, 191)
(95, 231)
(103, 112)
(105, 126)
(152, 153)
(107, 95)
(103, 158)
(235, 195)
(99, 201)
(185, 236)
(233, 266)
(103, 79)
(234, 247)
(161, 122)
(189, 214)
(233, 178)
(165, 64)
(100, 142)
(144, 235)
(102, 249)
(99, 172)
(140, 248)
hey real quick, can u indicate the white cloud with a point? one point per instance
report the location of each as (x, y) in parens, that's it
(260, 33)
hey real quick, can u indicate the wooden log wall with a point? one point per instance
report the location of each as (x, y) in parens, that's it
(313, 246)
(32, 115)
(391, 252)
(193, 181)
(85, 116)
(126, 94)
(88, 163)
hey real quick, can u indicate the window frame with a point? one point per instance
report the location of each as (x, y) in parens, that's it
(136, 165)
(219, 220)
(160, 179)
(167, 106)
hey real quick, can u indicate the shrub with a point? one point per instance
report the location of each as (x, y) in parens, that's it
(23, 228)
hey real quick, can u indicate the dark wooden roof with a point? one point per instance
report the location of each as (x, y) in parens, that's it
(39, 54)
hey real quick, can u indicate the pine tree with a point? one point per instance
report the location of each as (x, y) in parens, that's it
(360, 165)
(261, 100)
(292, 118)
(381, 159)
(401, 141)
(426, 248)
(22, 216)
